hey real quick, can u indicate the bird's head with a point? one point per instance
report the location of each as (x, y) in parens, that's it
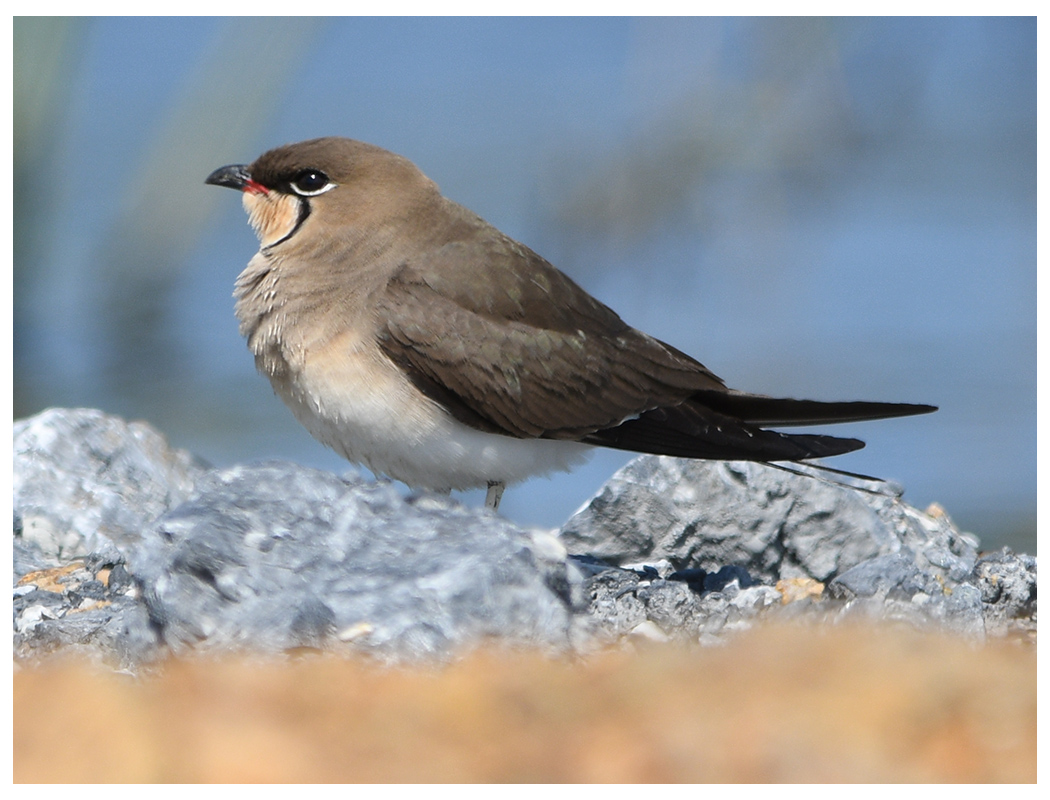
(332, 184)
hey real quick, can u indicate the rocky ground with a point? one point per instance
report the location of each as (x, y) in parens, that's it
(128, 551)
(711, 622)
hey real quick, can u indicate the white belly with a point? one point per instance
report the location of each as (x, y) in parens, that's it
(364, 408)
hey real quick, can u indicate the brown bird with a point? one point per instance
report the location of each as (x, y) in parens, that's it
(411, 336)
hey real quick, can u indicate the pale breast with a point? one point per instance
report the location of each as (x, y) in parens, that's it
(352, 398)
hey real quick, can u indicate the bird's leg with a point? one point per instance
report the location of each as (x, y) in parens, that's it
(494, 494)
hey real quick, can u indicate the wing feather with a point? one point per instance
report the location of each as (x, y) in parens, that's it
(529, 354)
(510, 345)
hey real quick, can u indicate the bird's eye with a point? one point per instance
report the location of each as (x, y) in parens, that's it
(311, 182)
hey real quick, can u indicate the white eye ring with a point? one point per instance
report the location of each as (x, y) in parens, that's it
(326, 188)
(299, 190)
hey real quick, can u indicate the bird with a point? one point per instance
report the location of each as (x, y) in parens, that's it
(411, 336)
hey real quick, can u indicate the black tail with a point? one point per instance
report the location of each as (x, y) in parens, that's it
(868, 484)
(756, 409)
(726, 426)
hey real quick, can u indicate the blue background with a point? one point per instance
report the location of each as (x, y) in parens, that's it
(836, 209)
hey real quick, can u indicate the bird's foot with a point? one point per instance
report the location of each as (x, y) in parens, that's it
(494, 494)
